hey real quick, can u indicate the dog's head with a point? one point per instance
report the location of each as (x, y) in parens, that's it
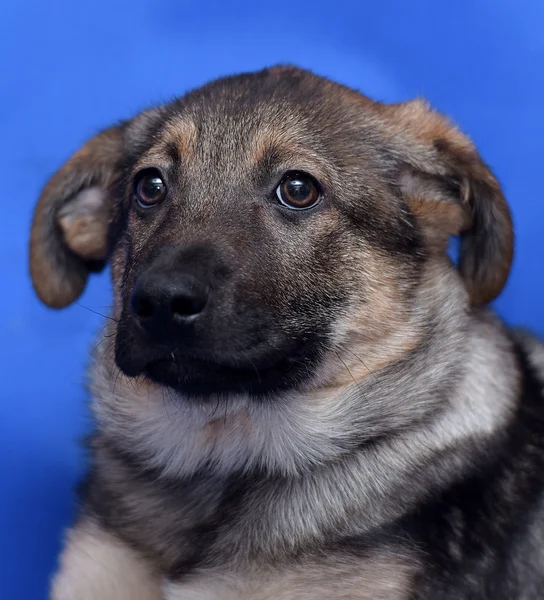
(257, 223)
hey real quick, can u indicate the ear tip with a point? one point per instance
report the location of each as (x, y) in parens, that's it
(485, 268)
(56, 301)
(57, 286)
(57, 297)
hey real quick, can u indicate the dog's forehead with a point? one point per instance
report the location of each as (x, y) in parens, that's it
(239, 143)
(244, 122)
(283, 112)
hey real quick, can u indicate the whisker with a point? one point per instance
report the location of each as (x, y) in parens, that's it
(165, 402)
(364, 365)
(97, 313)
(119, 373)
(216, 406)
(103, 338)
(106, 352)
(357, 383)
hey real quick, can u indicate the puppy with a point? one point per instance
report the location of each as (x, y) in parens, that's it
(298, 395)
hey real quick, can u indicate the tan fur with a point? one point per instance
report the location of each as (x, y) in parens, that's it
(84, 224)
(380, 330)
(417, 120)
(183, 134)
(215, 427)
(283, 141)
(438, 221)
(97, 566)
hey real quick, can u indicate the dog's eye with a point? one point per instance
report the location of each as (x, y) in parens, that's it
(298, 191)
(150, 190)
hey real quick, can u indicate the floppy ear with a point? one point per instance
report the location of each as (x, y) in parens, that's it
(452, 192)
(69, 230)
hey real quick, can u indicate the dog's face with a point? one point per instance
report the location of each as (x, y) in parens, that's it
(264, 223)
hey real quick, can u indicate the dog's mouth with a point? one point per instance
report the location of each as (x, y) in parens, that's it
(201, 377)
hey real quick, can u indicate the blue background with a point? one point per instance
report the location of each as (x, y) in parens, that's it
(68, 68)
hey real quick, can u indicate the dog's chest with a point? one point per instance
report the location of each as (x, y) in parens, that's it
(210, 548)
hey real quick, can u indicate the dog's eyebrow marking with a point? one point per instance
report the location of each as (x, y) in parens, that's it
(268, 158)
(179, 138)
(172, 151)
(155, 158)
(177, 143)
(273, 144)
(275, 149)
(264, 147)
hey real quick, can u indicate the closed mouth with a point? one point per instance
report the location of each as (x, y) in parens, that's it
(200, 377)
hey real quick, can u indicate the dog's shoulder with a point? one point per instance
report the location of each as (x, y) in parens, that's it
(484, 536)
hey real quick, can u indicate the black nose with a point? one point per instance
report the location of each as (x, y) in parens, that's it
(160, 300)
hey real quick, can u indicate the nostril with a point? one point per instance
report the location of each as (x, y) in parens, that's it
(185, 306)
(142, 306)
(160, 300)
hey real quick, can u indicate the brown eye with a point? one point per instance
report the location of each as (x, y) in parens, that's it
(150, 190)
(298, 191)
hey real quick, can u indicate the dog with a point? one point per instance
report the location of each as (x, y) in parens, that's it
(299, 394)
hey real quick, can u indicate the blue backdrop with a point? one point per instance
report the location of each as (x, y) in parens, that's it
(70, 67)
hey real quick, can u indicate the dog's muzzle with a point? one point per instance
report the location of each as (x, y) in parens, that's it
(191, 324)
